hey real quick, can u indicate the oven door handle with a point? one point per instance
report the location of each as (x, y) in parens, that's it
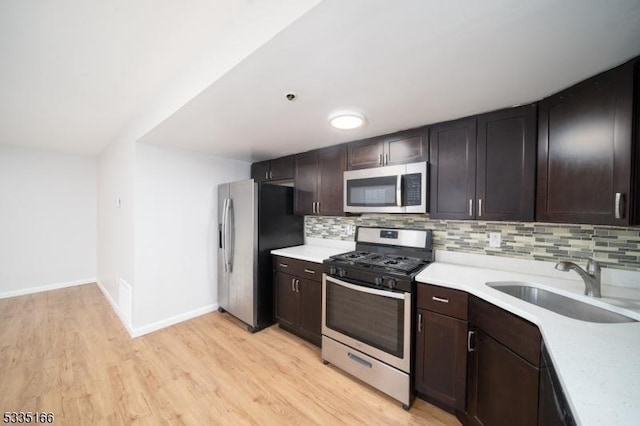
(365, 289)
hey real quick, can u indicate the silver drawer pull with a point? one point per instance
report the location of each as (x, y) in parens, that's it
(440, 299)
(283, 265)
(359, 360)
(309, 271)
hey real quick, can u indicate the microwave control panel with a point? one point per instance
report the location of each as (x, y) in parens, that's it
(412, 189)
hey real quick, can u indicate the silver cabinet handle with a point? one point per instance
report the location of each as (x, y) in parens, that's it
(419, 323)
(313, 207)
(293, 285)
(283, 265)
(270, 174)
(470, 207)
(440, 299)
(318, 207)
(266, 174)
(619, 207)
(386, 159)
(310, 271)
(469, 335)
(479, 207)
(380, 160)
(297, 286)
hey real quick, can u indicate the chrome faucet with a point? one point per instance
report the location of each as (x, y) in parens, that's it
(591, 276)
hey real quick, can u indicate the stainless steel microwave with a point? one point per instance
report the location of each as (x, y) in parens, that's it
(390, 189)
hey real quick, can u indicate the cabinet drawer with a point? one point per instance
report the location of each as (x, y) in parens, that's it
(443, 300)
(519, 335)
(299, 268)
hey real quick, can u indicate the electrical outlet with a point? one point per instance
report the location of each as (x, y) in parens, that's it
(495, 239)
(348, 230)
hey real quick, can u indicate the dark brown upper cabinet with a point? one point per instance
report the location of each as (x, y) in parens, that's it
(409, 146)
(586, 153)
(453, 169)
(277, 169)
(484, 167)
(319, 181)
(506, 166)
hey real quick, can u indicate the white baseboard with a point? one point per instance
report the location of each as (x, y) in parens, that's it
(139, 331)
(47, 287)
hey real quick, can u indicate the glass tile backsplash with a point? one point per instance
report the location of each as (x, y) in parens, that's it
(612, 246)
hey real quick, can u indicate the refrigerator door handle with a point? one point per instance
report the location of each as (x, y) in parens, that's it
(230, 234)
(223, 241)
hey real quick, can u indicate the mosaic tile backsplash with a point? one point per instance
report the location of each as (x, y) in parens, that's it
(612, 246)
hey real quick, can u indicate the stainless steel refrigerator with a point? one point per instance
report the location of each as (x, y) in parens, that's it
(253, 219)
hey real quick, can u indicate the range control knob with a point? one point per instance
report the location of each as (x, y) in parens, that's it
(341, 272)
(379, 280)
(332, 270)
(391, 283)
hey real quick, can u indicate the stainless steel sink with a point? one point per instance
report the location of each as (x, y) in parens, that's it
(559, 304)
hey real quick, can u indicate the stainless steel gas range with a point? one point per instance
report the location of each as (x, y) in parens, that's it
(367, 307)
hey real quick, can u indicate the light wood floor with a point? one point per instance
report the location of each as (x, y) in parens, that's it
(65, 351)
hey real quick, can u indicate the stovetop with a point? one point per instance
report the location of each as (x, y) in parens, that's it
(380, 261)
(384, 258)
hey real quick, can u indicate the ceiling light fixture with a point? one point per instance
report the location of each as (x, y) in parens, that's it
(347, 120)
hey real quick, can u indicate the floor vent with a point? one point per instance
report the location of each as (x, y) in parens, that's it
(124, 300)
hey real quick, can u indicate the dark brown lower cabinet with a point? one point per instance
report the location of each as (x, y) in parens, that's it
(441, 346)
(441, 359)
(505, 386)
(310, 314)
(298, 297)
(504, 367)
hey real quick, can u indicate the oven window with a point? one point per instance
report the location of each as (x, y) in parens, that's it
(375, 320)
(372, 192)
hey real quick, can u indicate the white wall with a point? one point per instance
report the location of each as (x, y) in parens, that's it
(47, 220)
(175, 233)
(116, 168)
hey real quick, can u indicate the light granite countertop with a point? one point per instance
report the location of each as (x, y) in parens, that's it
(598, 364)
(316, 249)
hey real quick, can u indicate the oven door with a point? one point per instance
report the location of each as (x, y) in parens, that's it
(375, 322)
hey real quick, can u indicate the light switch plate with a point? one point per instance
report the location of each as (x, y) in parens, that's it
(495, 239)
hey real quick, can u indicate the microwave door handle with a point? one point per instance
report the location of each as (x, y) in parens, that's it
(399, 191)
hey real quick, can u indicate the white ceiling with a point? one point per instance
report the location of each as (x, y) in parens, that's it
(75, 74)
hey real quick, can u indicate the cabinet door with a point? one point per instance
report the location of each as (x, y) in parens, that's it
(505, 386)
(506, 164)
(310, 293)
(332, 163)
(306, 183)
(282, 168)
(260, 171)
(453, 169)
(584, 151)
(406, 147)
(441, 358)
(287, 303)
(366, 153)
